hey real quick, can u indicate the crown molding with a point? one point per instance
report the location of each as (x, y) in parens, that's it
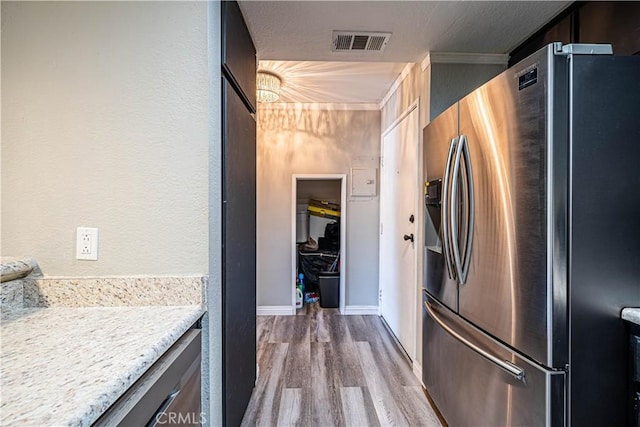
(464, 58)
(319, 106)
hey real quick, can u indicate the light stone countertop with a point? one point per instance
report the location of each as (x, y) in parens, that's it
(631, 315)
(66, 366)
(12, 268)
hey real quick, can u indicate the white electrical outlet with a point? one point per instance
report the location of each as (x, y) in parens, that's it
(87, 243)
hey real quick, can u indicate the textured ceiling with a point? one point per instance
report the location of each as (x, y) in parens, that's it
(301, 30)
(293, 39)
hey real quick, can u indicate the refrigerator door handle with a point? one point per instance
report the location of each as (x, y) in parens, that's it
(470, 209)
(453, 212)
(507, 366)
(446, 243)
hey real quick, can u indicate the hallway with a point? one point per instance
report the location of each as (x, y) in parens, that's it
(320, 368)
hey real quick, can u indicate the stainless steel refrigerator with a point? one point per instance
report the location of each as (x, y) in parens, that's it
(532, 238)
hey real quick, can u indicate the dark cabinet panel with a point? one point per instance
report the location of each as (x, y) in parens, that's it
(238, 53)
(634, 376)
(617, 23)
(238, 214)
(605, 281)
(169, 388)
(560, 31)
(238, 255)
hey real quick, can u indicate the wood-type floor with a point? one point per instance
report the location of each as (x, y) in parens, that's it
(320, 368)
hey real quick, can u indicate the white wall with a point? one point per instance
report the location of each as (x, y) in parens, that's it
(105, 124)
(299, 140)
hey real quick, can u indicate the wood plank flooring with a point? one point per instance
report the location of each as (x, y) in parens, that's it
(320, 368)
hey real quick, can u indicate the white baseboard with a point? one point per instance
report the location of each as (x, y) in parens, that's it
(417, 371)
(360, 309)
(275, 310)
(286, 310)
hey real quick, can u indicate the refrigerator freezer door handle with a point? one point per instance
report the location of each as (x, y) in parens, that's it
(471, 209)
(452, 211)
(516, 371)
(446, 249)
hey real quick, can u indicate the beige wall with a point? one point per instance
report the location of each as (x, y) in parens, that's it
(212, 396)
(416, 85)
(298, 140)
(438, 87)
(105, 124)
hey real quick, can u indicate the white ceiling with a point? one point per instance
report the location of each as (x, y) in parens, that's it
(334, 82)
(301, 31)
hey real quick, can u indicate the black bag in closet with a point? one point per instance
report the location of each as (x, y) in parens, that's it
(331, 239)
(312, 265)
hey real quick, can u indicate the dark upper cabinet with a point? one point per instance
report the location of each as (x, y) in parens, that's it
(557, 31)
(615, 22)
(238, 53)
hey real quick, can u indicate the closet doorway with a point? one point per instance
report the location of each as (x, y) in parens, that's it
(329, 190)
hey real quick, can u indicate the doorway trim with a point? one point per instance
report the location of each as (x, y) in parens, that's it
(343, 231)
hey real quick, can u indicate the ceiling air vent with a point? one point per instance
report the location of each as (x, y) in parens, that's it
(346, 41)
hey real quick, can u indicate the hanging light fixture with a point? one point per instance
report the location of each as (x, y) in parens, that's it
(267, 87)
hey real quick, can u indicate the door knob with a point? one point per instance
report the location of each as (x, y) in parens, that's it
(408, 237)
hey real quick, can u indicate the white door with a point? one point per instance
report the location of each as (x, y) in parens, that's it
(398, 200)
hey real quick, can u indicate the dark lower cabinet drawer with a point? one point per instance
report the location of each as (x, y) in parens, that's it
(634, 381)
(167, 394)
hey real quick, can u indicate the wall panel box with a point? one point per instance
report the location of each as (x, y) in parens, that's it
(363, 181)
